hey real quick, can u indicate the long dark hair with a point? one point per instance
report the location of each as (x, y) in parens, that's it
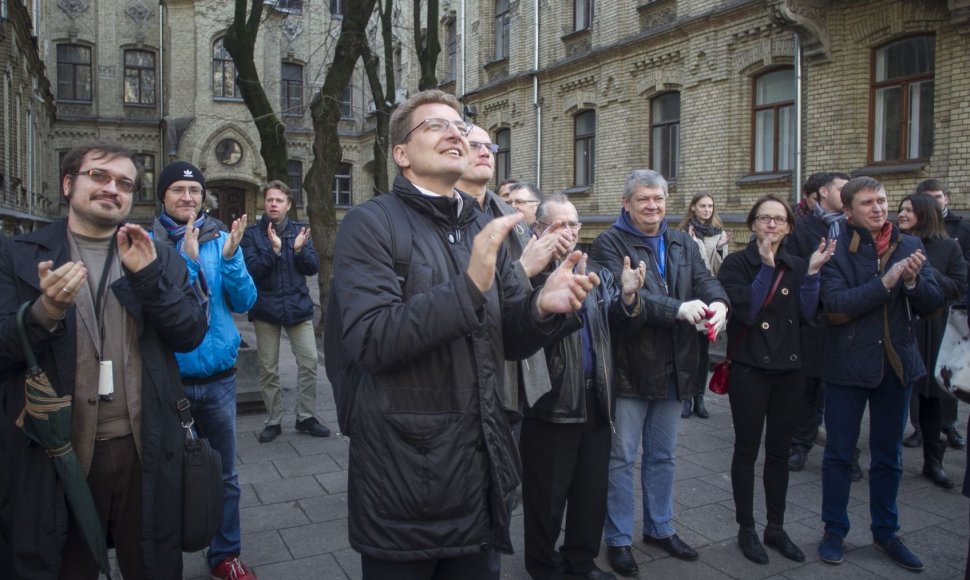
(929, 216)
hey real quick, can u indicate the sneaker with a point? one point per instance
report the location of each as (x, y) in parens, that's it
(830, 549)
(311, 426)
(232, 568)
(899, 553)
(269, 433)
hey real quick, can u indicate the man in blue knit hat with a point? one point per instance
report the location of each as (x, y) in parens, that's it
(209, 372)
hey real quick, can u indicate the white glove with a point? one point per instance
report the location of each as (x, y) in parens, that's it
(692, 312)
(719, 320)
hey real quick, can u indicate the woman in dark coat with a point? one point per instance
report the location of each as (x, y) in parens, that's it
(920, 216)
(766, 381)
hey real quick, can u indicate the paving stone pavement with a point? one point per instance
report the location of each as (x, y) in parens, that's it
(294, 508)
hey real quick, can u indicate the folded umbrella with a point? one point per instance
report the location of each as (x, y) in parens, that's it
(46, 420)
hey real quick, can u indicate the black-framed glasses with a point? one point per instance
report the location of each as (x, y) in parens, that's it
(778, 219)
(436, 125)
(476, 145)
(523, 201)
(575, 226)
(102, 177)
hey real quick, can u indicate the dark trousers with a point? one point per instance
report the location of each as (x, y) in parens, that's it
(809, 411)
(931, 424)
(948, 413)
(564, 463)
(483, 566)
(757, 399)
(115, 482)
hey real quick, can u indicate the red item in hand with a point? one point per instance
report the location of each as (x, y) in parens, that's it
(708, 313)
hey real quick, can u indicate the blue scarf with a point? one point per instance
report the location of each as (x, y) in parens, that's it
(176, 231)
(657, 243)
(833, 219)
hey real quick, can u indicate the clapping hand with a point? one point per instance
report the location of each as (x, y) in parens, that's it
(822, 255)
(566, 289)
(235, 237)
(632, 280)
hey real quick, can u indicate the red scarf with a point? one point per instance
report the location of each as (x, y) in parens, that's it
(882, 238)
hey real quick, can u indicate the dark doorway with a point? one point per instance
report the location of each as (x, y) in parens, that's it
(232, 203)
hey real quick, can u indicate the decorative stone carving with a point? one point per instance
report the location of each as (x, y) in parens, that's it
(138, 12)
(808, 19)
(291, 28)
(656, 14)
(578, 45)
(73, 8)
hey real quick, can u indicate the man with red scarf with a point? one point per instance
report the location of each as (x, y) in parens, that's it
(871, 288)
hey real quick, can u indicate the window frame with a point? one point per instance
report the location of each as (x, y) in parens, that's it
(294, 177)
(340, 178)
(904, 83)
(775, 107)
(589, 141)
(337, 8)
(451, 44)
(236, 95)
(665, 126)
(586, 11)
(346, 102)
(503, 157)
(147, 193)
(75, 66)
(503, 27)
(291, 91)
(140, 76)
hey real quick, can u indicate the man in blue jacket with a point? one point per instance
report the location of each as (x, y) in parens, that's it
(871, 288)
(209, 372)
(279, 256)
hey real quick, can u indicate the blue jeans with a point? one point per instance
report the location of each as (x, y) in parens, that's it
(654, 424)
(214, 410)
(888, 409)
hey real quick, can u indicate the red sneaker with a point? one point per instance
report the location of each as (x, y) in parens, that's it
(232, 568)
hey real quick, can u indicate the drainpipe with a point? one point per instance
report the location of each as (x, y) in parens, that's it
(461, 27)
(535, 91)
(797, 174)
(160, 93)
(30, 159)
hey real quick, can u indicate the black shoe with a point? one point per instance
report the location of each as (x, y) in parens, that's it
(594, 574)
(621, 560)
(269, 433)
(797, 459)
(685, 413)
(674, 546)
(933, 470)
(954, 438)
(751, 546)
(914, 440)
(311, 426)
(699, 409)
(857, 474)
(776, 538)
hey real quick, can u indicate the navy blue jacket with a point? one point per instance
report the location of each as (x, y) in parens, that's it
(282, 296)
(859, 308)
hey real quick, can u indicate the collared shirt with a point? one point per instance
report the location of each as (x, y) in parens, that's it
(429, 193)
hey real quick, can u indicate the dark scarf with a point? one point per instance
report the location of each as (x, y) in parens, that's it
(833, 219)
(657, 243)
(176, 230)
(704, 229)
(281, 227)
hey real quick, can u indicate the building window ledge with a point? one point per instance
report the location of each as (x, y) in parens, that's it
(578, 190)
(764, 177)
(908, 166)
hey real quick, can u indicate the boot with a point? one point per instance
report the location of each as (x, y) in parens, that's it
(954, 437)
(699, 409)
(933, 466)
(914, 440)
(685, 413)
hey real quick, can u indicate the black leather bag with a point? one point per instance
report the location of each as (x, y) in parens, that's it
(201, 487)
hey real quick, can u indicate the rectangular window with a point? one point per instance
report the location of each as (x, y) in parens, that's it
(146, 163)
(665, 135)
(139, 77)
(342, 181)
(74, 80)
(452, 40)
(584, 148)
(582, 14)
(774, 122)
(223, 73)
(347, 103)
(902, 90)
(291, 89)
(290, 6)
(294, 178)
(502, 19)
(336, 7)
(503, 157)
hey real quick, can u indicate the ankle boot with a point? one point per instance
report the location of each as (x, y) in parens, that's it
(699, 409)
(685, 413)
(751, 546)
(933, 467)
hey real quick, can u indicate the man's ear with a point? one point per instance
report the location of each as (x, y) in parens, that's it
(401, 156)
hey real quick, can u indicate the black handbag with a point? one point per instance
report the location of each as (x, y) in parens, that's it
(201, 487)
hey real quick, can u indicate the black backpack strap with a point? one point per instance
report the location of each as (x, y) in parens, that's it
(400, 236)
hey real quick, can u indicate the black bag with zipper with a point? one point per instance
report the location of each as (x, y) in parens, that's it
(201, 487)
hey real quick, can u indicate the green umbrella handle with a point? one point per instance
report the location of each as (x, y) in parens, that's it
(22, 327)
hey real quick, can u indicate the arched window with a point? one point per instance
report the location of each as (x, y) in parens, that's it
(773, 112)
(902, 99)
(665, 135)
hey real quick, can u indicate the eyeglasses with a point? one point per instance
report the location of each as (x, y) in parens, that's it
(778, 219)
(575, 226)
(523, 201)
(493, 147)
(436, 125)
(101, 177)
(180, 191)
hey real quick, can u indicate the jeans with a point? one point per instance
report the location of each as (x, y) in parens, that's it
(304, 347)
(214, 411)
(654, 424)
(888, 409)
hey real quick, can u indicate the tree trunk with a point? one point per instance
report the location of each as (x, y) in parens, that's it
(384, 96)
(427, 44)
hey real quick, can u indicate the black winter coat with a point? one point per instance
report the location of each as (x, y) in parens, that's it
(282, 296)
(958, 230)
(433, 464)
(660, 343)
(809, 231)
(858, 309)
(566, 402)
(169, 317)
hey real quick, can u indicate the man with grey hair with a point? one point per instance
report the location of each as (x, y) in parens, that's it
(657, 367)
(525, 197)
